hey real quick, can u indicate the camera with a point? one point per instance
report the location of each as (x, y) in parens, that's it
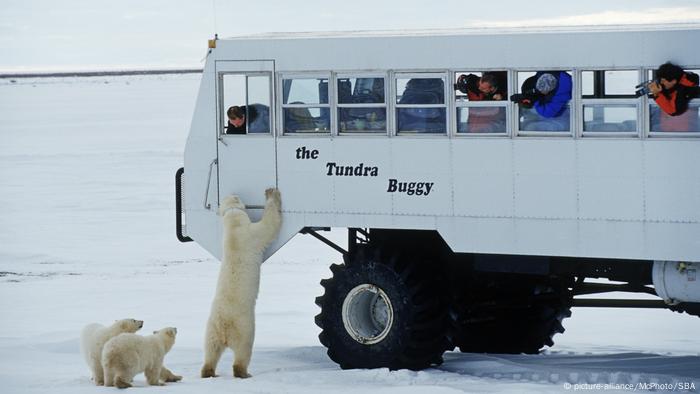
(461, 84)
(527, 98)
(643, 88)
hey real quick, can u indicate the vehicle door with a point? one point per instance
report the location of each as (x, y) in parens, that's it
(246, 161)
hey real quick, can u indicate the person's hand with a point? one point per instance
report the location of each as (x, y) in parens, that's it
(654, 88)
(526, 103)
(524, 100)
(497, 96)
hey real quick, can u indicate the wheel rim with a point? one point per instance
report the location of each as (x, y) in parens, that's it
(367, 314)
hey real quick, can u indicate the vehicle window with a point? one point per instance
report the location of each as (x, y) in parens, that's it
(251, 94)
(361, 105)
(686, 123)
(587, 84)
(609, 117)
(620, 82)
(305, 105)
(609, 102)
(305, 91)
(420, 105)
(550, 112)
(481, 99)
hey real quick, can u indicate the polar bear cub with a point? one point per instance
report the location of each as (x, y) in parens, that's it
(93, 338)
(127, 355)
(232, 318)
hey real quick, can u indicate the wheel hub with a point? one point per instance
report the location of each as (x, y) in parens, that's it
(367, 314)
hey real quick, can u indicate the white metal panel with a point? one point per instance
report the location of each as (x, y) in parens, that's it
(535, 235)
(545, 178)
(412, 222)
(523, 236)
(200, 151)
(291, 224)
(425, 161)
(672, 180)
(482, 235)
(676, 241)
(303, 182)
(611, 239)
(586, 238)
(205, 228)
(388, 221)
(610, 181)
(483, 177)
(247, 167)
(519, 48)
(362, 194)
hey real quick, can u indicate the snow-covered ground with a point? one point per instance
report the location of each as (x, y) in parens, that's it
(87, 235)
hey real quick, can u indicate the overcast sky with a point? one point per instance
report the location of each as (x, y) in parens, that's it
(88, 34)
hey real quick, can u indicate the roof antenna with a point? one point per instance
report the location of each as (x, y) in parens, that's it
(212, 43)
(213, 4)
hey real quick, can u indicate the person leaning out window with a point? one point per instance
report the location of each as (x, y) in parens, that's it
(672, 90)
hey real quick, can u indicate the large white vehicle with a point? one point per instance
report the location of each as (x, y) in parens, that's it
(471, 223)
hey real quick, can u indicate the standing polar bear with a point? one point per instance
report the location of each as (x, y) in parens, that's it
(93, 339)
(232, 318)
(127, 355)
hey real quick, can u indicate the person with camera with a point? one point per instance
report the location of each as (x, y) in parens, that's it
(488, 87)
(672, 90)
(549, 93)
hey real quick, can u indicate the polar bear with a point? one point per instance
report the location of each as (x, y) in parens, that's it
(167, 375)
(232, 319)
(93, 338)
(127, 355)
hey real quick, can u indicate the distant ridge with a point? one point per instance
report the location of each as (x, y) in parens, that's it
(63, 74)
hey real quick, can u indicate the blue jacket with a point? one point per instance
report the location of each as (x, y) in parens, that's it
(553, 104)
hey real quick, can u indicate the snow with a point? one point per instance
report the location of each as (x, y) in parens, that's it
(87, 232)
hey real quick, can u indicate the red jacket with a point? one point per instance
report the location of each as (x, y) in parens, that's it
(674, 102)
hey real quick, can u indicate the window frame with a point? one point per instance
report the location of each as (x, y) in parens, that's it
(395, 106)
(647, 104)
(612, 100)
(337, 105)
(457, 104)
(675, 134)
(281, 77)
(222, 116)
(515, 84)
(451, 105)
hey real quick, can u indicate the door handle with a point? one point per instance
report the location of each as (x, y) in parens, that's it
(207, 205)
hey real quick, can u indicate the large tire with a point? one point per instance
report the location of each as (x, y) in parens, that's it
(382, 311)
(497, 313)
